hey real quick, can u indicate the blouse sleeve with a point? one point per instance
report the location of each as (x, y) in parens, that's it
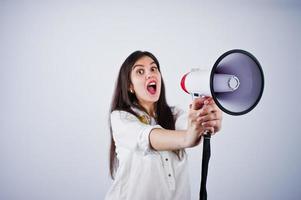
(129, 132)
(180, 117)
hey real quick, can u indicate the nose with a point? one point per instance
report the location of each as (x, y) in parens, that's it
(149, 74)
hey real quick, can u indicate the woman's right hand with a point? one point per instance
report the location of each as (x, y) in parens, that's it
(195, 130)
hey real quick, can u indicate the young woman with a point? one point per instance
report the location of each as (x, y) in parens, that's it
(148, 140)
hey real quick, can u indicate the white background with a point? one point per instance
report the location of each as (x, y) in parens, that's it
(58, 64)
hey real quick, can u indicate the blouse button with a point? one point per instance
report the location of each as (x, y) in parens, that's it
(166, 159)
(169, 175)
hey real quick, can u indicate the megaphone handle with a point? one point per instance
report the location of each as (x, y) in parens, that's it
(205, 162)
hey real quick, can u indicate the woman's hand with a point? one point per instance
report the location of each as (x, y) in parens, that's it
(204, 115)
(210, 116)
(194, 129)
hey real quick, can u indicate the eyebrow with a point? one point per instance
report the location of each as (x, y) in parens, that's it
(143, 65)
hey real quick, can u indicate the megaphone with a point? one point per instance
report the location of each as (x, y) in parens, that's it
(235, 83)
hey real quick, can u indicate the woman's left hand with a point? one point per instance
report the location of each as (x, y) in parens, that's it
(210, 116)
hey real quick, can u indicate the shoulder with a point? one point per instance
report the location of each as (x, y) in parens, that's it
(176, 111)
(122, 115)
(180, 117)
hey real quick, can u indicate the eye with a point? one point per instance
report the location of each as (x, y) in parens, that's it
(140, 71)
(154, 69)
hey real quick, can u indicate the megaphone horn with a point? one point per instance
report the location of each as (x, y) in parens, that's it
(235, 82)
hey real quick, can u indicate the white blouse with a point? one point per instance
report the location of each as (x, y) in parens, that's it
(144, 173)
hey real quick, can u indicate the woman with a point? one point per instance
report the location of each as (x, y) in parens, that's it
(147, 138)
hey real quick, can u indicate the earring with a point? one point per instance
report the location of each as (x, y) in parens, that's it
(132, 91)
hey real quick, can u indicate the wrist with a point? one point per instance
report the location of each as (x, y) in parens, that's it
(182, 139)
(186, 141)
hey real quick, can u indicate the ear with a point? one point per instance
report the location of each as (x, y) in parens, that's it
(131, 89)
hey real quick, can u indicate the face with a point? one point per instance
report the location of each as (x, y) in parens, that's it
(146, 81)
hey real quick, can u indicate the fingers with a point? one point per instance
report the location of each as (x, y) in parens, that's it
(209, 108)
(204, 116)
(211, 116)
(208, 101)
(214, 126)
(212, 123)
(198, 109)
(199, 102)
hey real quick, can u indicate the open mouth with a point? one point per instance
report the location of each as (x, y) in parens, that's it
(152, 87)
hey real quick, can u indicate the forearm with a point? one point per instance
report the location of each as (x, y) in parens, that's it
(167, 140)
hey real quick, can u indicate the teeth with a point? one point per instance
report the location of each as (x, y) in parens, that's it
(152, 83)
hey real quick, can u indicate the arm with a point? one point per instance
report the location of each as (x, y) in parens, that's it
(162, 139)
(130, 133)
(203, 115)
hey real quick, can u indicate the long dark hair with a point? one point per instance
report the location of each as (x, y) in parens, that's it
(124, 100)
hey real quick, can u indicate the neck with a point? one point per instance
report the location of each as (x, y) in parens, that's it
(149, 108)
